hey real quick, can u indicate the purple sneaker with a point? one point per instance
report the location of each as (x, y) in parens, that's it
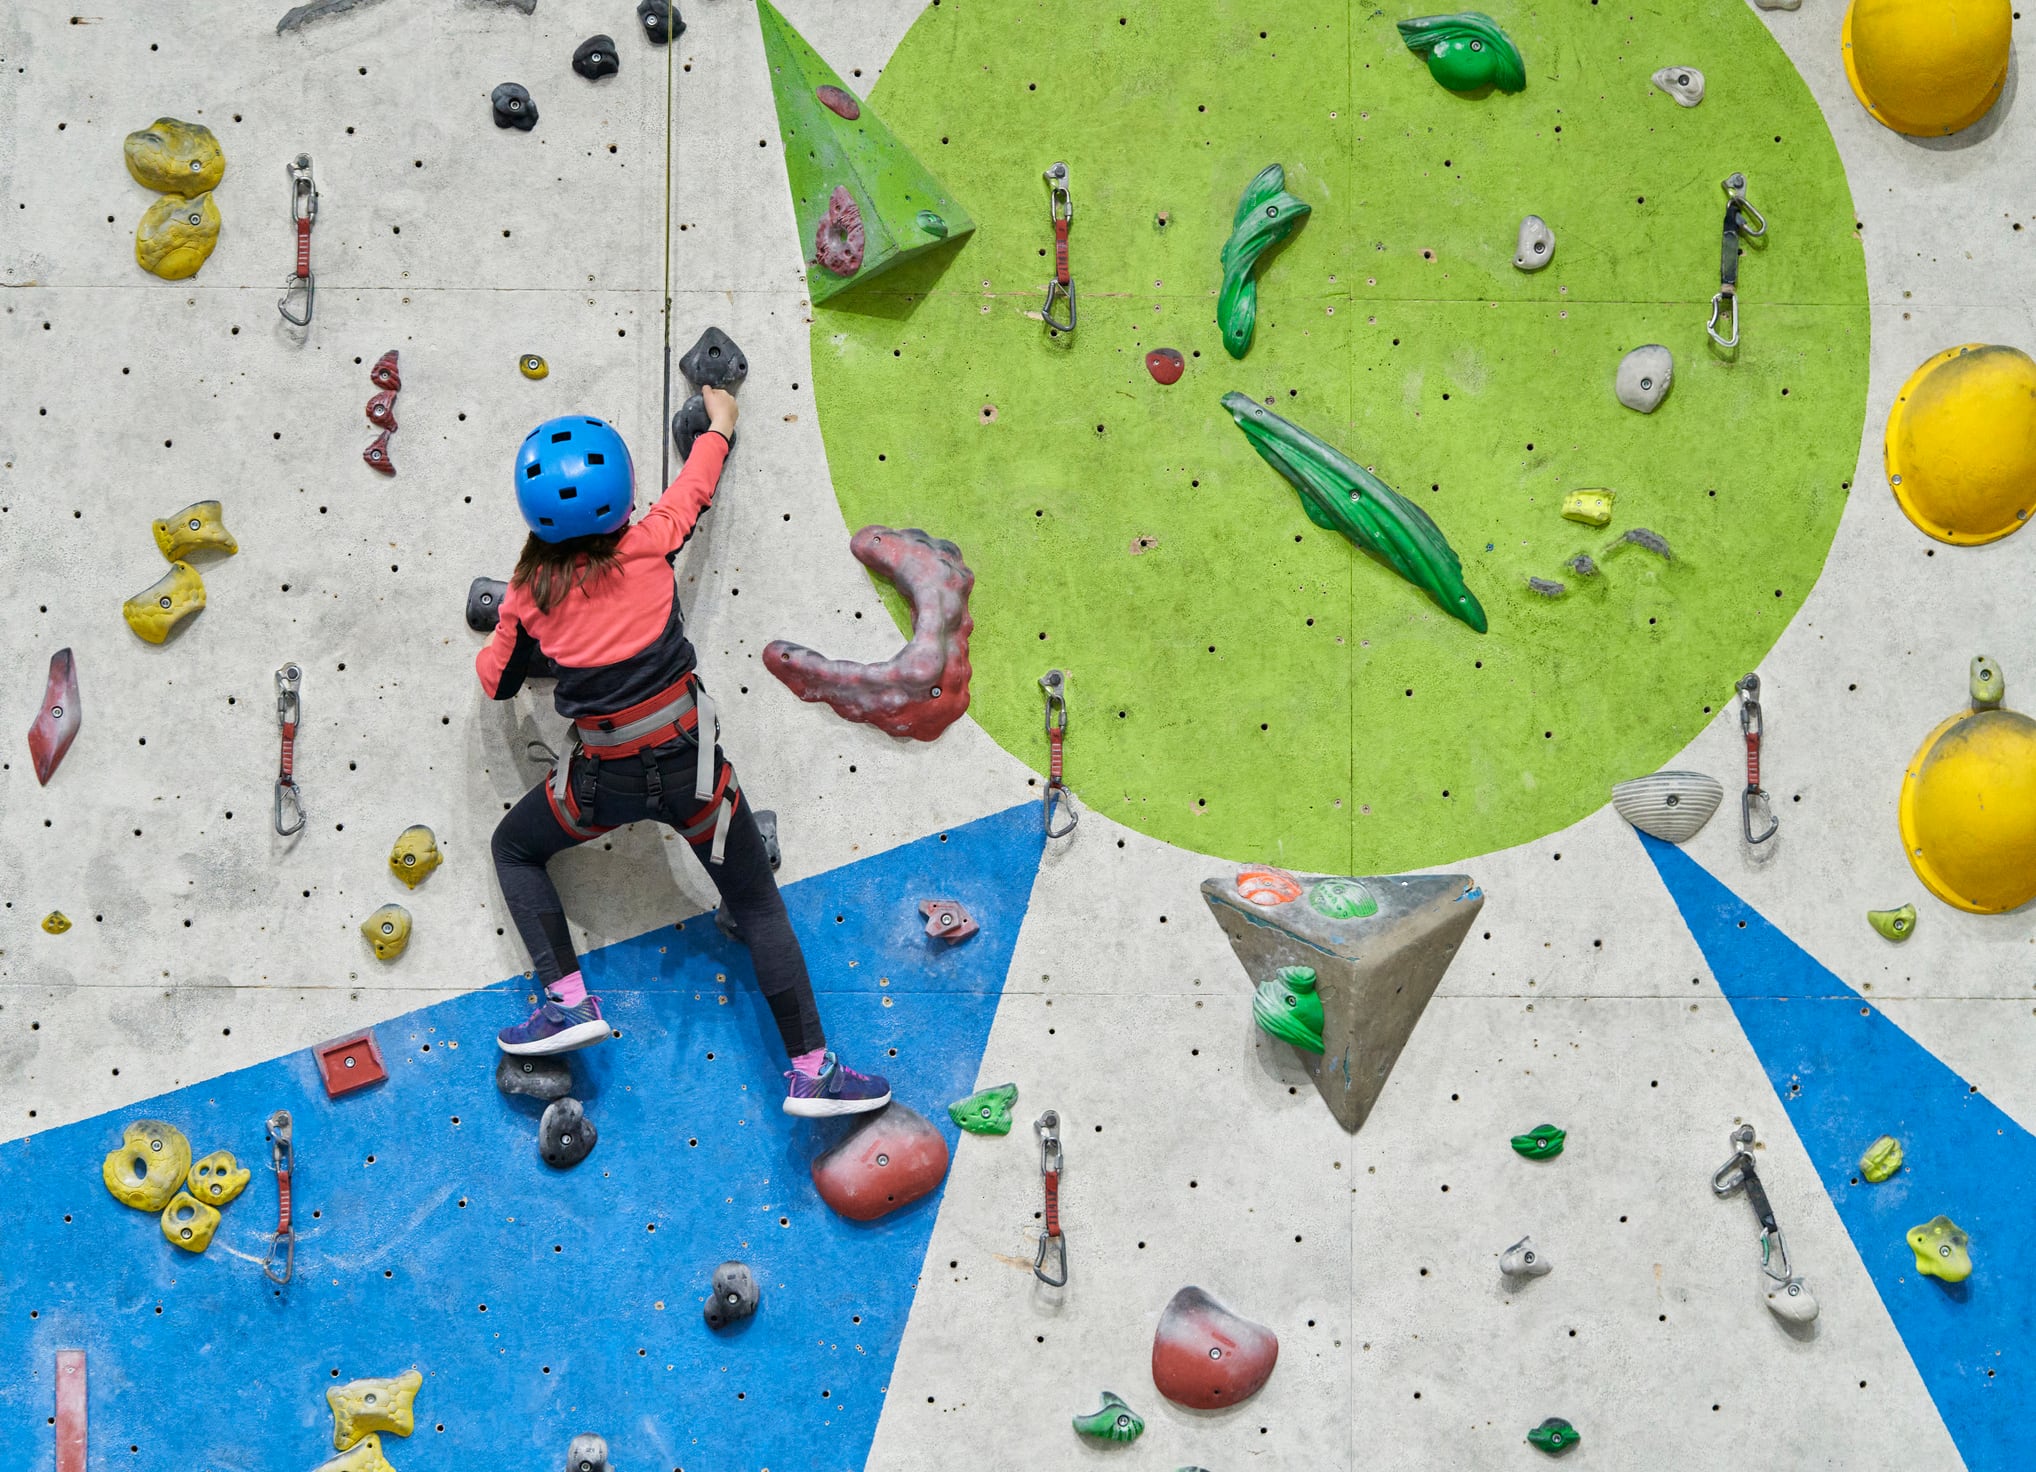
(838, 1090)
(553, 1028)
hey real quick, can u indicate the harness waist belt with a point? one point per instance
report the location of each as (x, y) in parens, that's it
(683, 711)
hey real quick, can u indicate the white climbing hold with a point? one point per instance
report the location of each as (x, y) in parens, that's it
(1791, 1301)
(1524, 1260)
(1537, 244)
(1778, 4)
(1671, 806)
(1684, 83)
(1644, 376)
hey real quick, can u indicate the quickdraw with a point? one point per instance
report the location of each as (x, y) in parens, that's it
(1755, 796)
(1054, 684)
(1060, 206)
(1779, 1279)
(304, 209)
(1050, 1238)
(289, 710)
(282, 1159)
(1726, 302)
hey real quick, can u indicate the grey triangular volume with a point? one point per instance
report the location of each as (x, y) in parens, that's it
(1670, 806)
(1379, 947)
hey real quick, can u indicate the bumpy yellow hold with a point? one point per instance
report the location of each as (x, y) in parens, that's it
(1882, 1159)
(1940, 1248)
(196, 526)
(1592, 508)
(173, 157)
(153, 613)
(1960, 447)
(366, 1457)
(1927, 67)
(189, 1223)
(388, 931)
(149, 1167)
(217, 1179)
(415, 855)
(362, 1407)
(56, 922)
(176, 235)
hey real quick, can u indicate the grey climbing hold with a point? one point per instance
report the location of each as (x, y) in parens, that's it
(299, 15)
(484, 604)
(534, 1077)
(1524, 1260)
(734, 1295)
(595, 58)
(1684, 83)
(1778, 4)
(1537, 244)
(654, 15)
(1671, 806)
(690, 423)
(714, 362)
(565, 1136)
(1546, 587)
(513, 107)
(1644, 376)
(588, 1453)
(1582, 565)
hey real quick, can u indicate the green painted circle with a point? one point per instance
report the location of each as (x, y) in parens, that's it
(1239, 681)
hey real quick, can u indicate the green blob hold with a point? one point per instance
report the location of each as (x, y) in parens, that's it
(1543, 1142)
(1940, 1248)
(1288, 1008)
(1112, 1421)
(1466, 51)
(1342, 899)
(932, 224)
(1882, 1159)
(986, 1111)
(1896, 925)
(1340, 495)
(1554, 1436)
(1266, 215)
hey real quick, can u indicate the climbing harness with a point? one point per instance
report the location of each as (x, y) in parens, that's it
(1061, 208)
(283, 1246)
(1726, 302)
(682, 712)
(1788, 1295)
(289, 710)
(1053, 683)
(1050, 1239)
(304, 207)
(1755, 796)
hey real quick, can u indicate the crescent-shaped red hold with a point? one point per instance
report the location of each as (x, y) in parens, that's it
(56, 724)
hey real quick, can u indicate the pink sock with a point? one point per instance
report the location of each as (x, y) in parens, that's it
(570, 990)
(808, 1064)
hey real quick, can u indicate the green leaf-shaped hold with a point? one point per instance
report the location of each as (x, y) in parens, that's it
(1340, 495)
(1554, 1436)
(1266, 215)
(1896, 925)
(985, 1112)
(1543, 1142)
(863, 200)
(1112, 1421)
(1289, 1008)
(1466, 51)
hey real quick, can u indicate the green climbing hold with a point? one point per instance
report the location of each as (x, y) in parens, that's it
(1882, 1159)
(1289, 1008)
(1466, 51)
(986, 1111)
(1342, 899)
(1543, 1142)
(1554, 1436)
(1266, 215)
(1112, 1421)
(863, 200)
(1896, 925)
(1340, 495)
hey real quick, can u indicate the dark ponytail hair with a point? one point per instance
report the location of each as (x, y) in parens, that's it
(550, 570)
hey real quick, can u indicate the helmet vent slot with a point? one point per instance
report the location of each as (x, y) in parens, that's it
(532, 472)
(562, 437)
(568, 493)
(595, 457)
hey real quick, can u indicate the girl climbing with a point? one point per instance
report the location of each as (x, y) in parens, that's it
(596, 596)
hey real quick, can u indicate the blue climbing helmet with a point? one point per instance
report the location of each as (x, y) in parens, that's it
(574, 479)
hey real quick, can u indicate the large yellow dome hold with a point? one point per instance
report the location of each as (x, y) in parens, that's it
(1961, 443)
(1968, 808)
(1927, 67)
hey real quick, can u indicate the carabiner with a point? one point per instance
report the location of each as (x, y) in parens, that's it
(282, 1160)
(289, 709)
(1737, 212)
(304, 210)
(1754, 797)
(1050, 1238)
(1056, 794)
(1060, 208)
(1788, 1296)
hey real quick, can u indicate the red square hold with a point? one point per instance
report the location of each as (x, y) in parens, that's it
(350, 1063)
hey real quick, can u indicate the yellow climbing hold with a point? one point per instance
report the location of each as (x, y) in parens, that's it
(415, 855)
(56, 922)
(533, 366)
(388, 931)
(196, 526)
(149, 1166)
(172, 157)
(1961, 443)
(1592, 508)
(1940, 1248)
(176, 235)
(1927, 67)
(1882, 1159)
(362, 1407)
(366, 1457)
(153, 612)
(189, 1223)
(1968, 810)
(217, 1179)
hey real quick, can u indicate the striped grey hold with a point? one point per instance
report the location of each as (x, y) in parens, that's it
(1524, 1260)
(1671, 806)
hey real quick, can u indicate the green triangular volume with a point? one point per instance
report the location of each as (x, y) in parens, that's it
(863, 200)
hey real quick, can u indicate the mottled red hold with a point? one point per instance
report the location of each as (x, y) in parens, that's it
(384, 374)
(948, 920)
(1206, 1357)
(56, 724)
(837, 101)
(1166, 365)
(891, 1159)
(382, 409)
(377, 454)
(838, 240)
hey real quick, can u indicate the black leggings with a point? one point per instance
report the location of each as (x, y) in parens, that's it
(608, 794)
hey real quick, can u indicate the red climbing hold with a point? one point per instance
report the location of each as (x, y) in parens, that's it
(948, 920)
(1206, 1357)
(56, 724)
(838, 241)
(384, 374)
(839, 102)
(377, 454)
(1166, 365)
(350, 1063)
(382, 409)
(892, 1158)
(922, 689)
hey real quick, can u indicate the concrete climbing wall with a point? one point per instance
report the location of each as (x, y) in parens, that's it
(206, 953)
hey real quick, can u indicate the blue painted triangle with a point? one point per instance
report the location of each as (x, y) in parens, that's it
(1848, 1076)
(537, 1303)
